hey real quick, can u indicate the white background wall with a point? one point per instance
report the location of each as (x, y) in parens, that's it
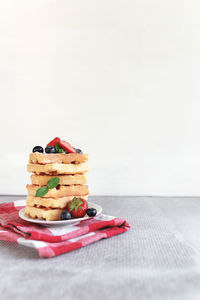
(118, 78)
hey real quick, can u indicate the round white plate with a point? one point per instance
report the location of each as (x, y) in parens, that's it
(60, 222)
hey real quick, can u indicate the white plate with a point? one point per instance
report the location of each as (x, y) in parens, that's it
(60, 222)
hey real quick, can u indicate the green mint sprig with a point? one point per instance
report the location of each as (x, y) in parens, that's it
(43, 190)
(51, 184)
(60, 149)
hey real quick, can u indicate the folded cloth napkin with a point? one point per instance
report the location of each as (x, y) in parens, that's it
(54, 240)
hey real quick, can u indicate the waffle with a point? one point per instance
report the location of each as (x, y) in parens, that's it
(40, 158)
(56, 168)
(50, 202)
(44, 213)
(64, 179)
(64, 190)
(70, 168)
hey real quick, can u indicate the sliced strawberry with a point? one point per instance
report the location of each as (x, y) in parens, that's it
(66, 146)
(77, 207)
(54, 142)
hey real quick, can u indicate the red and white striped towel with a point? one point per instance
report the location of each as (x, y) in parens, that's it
(54, 240)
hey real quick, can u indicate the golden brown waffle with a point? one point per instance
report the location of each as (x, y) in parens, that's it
(43, 158)
(64, 179)
(55, 168)
(50, 202)
(44, 213)
(64, 190)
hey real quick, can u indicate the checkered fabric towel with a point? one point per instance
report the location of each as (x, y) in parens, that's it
(54, 240)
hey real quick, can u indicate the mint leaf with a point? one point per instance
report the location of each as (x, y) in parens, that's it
(60, 149)
(53, 182)
(43, 190)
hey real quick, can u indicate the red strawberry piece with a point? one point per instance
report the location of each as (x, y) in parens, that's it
(77, 207)
(54, 142)
(67, 147)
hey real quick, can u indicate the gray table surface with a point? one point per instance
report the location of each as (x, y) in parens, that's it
(159, 258)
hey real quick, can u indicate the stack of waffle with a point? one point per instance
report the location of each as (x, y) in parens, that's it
(70, 168)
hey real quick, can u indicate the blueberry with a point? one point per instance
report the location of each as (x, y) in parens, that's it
(91, 212)
(38, 149)
(50, 149)
(79, 151)
(66, 215)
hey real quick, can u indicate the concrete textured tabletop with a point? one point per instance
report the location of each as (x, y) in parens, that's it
(159, 258)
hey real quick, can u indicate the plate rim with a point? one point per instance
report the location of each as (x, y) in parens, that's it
(59, 222)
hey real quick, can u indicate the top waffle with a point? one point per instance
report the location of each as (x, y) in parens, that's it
(63, 158)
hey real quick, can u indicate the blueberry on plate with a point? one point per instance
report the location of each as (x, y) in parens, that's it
(50, 149)
(91, 212)
(79, 151)
(38, 149)
(65, 215)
